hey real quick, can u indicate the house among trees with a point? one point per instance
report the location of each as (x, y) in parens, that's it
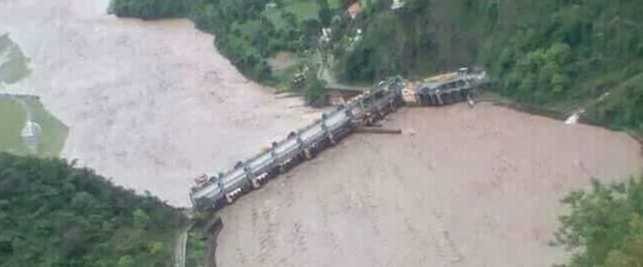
(354, 9)
(397, 4)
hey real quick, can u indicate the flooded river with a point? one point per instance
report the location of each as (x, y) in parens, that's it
(461, 187)
(149, 104)
(152, 105)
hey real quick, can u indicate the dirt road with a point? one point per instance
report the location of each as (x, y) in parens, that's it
(150, 104)
(461, 187)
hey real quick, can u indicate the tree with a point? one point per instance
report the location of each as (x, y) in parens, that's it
(126, 261)
(325, 14)
(52, 214)
(315, 91)
(141, 219)
(604, 226)
(149, 9)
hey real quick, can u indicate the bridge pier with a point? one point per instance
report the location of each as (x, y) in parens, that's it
(439, 97)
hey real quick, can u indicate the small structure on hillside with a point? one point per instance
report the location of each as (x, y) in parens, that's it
(31, 135)
(354, 9)
(397, 4)
(354, 40)
(326, 34)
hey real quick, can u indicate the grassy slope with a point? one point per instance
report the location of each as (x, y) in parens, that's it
(53, 135)
(13, 118)
(54, 132)
(14, 67)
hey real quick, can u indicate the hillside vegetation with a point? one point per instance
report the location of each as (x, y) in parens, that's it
(247, 32)
(605, 225)
(52, 214)
(556, 54)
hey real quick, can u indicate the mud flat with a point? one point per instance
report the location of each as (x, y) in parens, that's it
(461, 187)
(151, 104)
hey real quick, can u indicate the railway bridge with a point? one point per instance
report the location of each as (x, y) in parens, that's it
(215, 190)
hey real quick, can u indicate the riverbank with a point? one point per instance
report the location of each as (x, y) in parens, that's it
(556, 114)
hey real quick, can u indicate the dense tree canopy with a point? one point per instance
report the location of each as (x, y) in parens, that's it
(52, 214)
(394, 42)
(605, 226)
(150, 9)
(554, 53)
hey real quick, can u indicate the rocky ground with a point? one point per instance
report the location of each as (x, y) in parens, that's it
(460, 187)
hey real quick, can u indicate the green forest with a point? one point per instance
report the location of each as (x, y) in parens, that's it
(556, 54)
(54, 214)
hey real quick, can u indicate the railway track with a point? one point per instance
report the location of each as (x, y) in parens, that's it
(213, 191)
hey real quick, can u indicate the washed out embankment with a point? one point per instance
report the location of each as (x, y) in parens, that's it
(461, 187)
(150, 104)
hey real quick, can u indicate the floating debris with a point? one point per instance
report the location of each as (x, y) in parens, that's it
(573, 119)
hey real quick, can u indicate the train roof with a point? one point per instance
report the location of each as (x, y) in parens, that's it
(434, 85)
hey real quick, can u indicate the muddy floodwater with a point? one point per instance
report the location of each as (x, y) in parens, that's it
(460, 187)
(150, 104)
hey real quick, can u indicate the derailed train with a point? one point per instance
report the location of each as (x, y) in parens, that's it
(215, 191)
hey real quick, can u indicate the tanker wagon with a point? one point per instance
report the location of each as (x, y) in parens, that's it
(213, 191)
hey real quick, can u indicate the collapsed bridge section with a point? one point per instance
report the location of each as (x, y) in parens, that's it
(446, 88)
(213, 191)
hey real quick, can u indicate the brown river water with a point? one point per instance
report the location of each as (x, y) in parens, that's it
(460, 187)
(149, 104)
(152, 104)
